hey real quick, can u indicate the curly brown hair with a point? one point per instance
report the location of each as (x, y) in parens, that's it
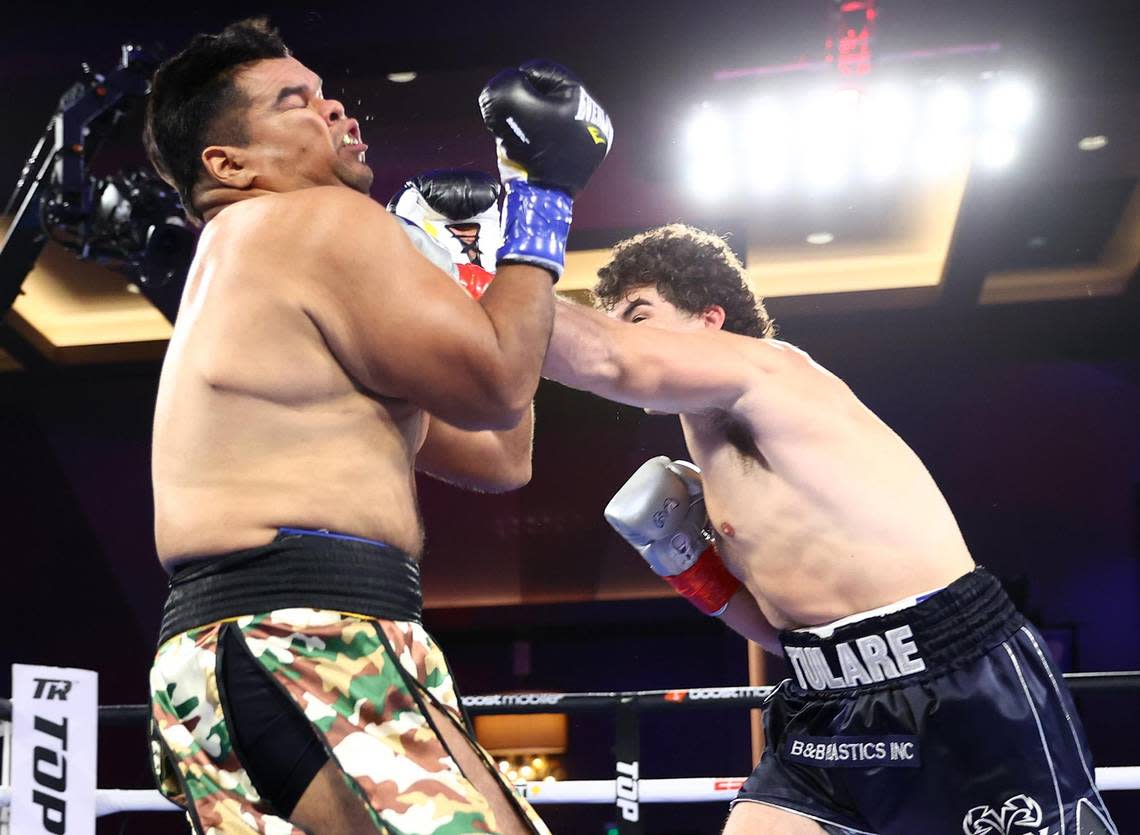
(692, 269)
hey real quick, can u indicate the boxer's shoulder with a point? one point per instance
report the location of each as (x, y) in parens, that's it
(327, 209)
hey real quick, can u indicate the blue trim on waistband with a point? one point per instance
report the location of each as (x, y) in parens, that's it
(330, 535)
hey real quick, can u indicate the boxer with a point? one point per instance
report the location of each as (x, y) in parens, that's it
(295, 687)
(920, 700)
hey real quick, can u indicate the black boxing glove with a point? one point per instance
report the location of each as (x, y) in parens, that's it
(551, 135)
(459, 211)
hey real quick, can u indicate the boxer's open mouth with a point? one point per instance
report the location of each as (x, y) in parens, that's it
(350, 140)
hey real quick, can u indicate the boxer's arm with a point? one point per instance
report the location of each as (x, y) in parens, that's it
(763, 380)
(403, 329)
(743, 616)
(489, 461)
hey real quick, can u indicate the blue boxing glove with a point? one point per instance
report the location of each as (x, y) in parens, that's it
(551, 135)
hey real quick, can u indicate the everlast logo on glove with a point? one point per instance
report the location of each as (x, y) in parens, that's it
(865, 660)
(596, 119)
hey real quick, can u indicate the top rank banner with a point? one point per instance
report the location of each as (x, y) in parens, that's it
(55, 714)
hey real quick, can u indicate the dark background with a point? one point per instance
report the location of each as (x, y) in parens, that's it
(1027, 415)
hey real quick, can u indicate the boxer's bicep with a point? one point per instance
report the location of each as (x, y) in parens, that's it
(767, 384)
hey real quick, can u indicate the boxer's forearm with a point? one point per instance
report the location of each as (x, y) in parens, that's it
(743, 616)
(521, 319)
(492, 461)
(581, 351)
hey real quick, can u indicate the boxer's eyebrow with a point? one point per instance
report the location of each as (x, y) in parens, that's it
(634, 305)
(296, 90)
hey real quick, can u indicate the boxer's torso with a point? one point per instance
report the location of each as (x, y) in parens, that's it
(257, 424)
(827, 514)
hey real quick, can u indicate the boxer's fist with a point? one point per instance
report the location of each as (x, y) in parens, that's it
(458, 211)
(658, 514)
(548, 130)
(452, 193)
(660, 511)
(551, 135)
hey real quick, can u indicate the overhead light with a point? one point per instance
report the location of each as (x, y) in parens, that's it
(1009, 104)
(939, 155)
(886, 120)
(1037, 242)
(948, 108)
(820, 238)
(996, 150)
(401, 77)
(708, 154)
(1093, 143)
(767, 142)
(826, 151)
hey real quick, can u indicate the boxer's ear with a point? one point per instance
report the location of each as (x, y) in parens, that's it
(225, 165)
(713, 317)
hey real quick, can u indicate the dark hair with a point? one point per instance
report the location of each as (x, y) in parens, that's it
(692, 270)
(195, 103)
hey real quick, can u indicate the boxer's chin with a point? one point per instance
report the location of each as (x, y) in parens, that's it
(355, 175)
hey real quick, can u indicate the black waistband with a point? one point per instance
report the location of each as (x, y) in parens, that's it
(951, 628)
(298, 570)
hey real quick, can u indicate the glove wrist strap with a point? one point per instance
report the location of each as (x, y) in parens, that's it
(706, 583)
(536, 223)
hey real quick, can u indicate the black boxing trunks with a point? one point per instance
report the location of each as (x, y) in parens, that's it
(946, 716)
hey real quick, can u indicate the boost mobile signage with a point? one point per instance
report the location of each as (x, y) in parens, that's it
(55, 717)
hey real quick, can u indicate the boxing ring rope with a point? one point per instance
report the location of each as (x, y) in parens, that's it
(626, 791)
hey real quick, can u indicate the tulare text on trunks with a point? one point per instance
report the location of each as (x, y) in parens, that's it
(865, 660)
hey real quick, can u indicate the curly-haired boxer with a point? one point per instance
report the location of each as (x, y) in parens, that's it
(921, 701)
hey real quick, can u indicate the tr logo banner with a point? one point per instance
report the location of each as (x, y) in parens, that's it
(52, 688)
(54, 721)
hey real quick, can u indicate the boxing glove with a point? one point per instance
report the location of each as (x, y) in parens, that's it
(660, 511)
(458, 211)
(550, 136)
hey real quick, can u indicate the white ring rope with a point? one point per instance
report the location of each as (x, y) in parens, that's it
(669, 790)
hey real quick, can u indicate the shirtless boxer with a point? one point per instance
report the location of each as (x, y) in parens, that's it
(921, 701)
(294, 688)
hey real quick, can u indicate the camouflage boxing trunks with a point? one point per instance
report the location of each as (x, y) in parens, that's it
(360, 682)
